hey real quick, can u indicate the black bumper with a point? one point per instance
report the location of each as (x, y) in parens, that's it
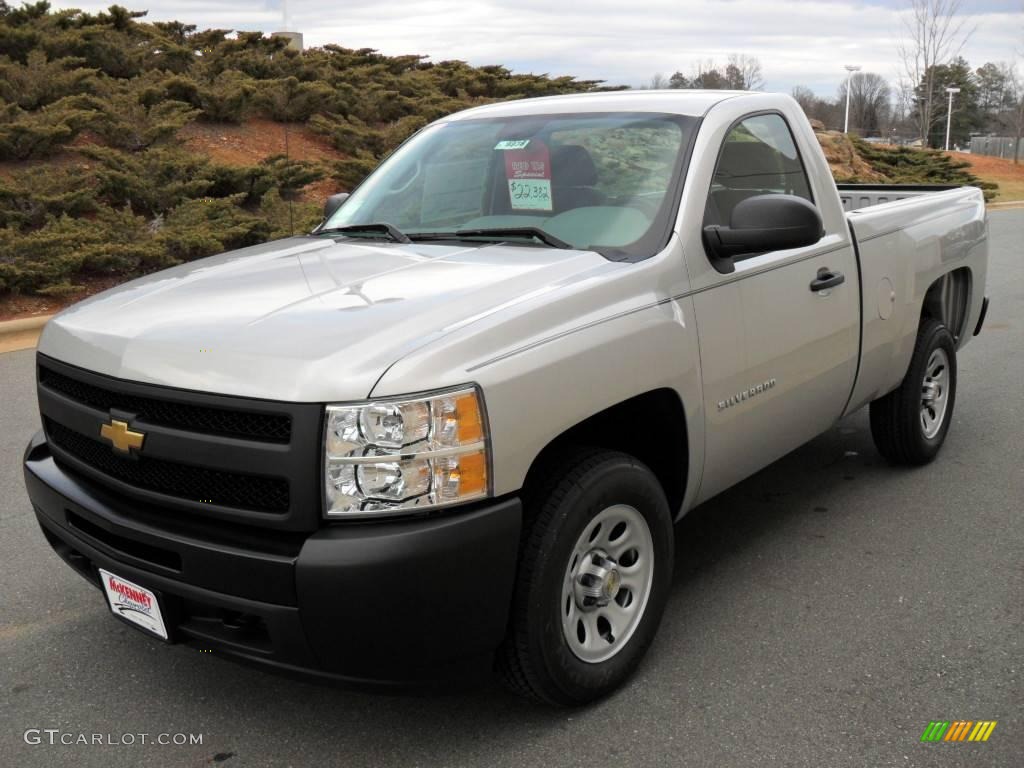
(398, 603)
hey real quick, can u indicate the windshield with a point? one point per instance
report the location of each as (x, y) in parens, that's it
(604, 182)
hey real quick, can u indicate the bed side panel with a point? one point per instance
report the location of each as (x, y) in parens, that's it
(904, 248)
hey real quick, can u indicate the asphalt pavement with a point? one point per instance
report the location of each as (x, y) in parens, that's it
(823, 612)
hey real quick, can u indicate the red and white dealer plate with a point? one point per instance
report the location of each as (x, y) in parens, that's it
(134, 603)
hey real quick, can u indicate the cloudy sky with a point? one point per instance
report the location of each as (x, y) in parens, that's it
(621, 41)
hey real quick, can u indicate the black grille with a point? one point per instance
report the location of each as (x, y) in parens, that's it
(269, 427)
(198, 484)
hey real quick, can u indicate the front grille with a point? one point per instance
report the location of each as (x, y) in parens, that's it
(217, 458)
(269, 427)
(190, 483)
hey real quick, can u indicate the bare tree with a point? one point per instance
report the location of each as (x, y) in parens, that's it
(742, 73)
(747, 71)
(805, 97)
(658, 82)
(703, 69)
(1015, 88)
(817, 108)
(869, 102)
(1016, 83)
(902, 120)
(935, 35)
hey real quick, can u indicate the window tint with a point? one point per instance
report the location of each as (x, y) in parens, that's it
(758, 157)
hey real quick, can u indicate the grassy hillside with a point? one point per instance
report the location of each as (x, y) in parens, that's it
(128, 146)
(106, 163)
(855, 161)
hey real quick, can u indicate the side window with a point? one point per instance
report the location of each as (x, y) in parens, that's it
(758, 157)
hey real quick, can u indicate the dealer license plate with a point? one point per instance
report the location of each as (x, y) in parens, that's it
(133, 603)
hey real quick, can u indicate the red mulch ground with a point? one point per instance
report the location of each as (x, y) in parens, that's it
(1007, 174)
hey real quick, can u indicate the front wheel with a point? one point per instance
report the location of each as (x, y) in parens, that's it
(910, 423)
(594, 574)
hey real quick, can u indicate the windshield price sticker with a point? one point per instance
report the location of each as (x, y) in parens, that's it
(529, 178)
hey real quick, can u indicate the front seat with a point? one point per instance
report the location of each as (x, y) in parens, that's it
(573, 176)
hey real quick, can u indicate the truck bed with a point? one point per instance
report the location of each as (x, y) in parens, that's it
(857, 196)
(908, 237)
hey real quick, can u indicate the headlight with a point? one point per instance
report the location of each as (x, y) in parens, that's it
(396, 456)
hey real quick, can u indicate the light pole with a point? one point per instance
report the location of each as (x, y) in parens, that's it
(850, 68)
(949, 113)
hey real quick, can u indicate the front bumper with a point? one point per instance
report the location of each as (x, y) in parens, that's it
(395, 604)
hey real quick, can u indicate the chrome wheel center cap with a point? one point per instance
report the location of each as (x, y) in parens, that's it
(597, 580)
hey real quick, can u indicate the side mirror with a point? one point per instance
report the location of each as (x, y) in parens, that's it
(760, 224)
(333, 203)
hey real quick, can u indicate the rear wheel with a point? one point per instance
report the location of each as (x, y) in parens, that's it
(910, 423)
(594, 574)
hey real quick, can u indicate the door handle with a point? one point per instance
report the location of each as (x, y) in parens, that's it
(827, 279)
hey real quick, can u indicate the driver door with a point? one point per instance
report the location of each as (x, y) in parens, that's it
(778, 357)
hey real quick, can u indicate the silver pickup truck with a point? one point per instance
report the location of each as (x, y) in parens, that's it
(450, 430)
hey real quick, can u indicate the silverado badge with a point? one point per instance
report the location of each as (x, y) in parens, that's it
(746, 394)
(122, 438)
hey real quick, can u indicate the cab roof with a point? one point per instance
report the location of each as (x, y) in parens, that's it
(673, 102)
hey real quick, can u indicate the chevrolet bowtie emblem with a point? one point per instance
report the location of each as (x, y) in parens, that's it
(122, 438)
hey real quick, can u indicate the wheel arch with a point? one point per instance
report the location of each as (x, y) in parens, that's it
(627, 427)
(948, 300)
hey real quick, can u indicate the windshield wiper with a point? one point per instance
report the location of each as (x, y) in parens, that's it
(482, 234)
(383, 228)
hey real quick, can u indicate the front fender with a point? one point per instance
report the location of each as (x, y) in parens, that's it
(571, 365)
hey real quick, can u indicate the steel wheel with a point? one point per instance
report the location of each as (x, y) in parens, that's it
(934, 392)
(607, 583)
(593, 577)
(910, 423)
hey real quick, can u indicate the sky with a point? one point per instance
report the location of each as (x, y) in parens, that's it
(798, 42)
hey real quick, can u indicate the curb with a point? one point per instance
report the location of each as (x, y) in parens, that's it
(22, 333)
(1007, 204)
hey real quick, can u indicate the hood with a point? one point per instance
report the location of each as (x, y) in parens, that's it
(305, 319)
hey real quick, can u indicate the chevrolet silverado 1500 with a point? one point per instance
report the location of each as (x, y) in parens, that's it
(450, 429)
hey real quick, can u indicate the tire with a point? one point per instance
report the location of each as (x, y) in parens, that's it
(904, 428)
(558, 562)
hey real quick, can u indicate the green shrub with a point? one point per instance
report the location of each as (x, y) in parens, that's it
(290, 176)
(39, 82)
(136, 116)
(907, 165)
(44, 132)
(288, 218)
(352, 170)
(96, 103)
(228, 98)
(151, 182)
(206, 226)
(50, 258)
(290, 101)
(28, 199)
